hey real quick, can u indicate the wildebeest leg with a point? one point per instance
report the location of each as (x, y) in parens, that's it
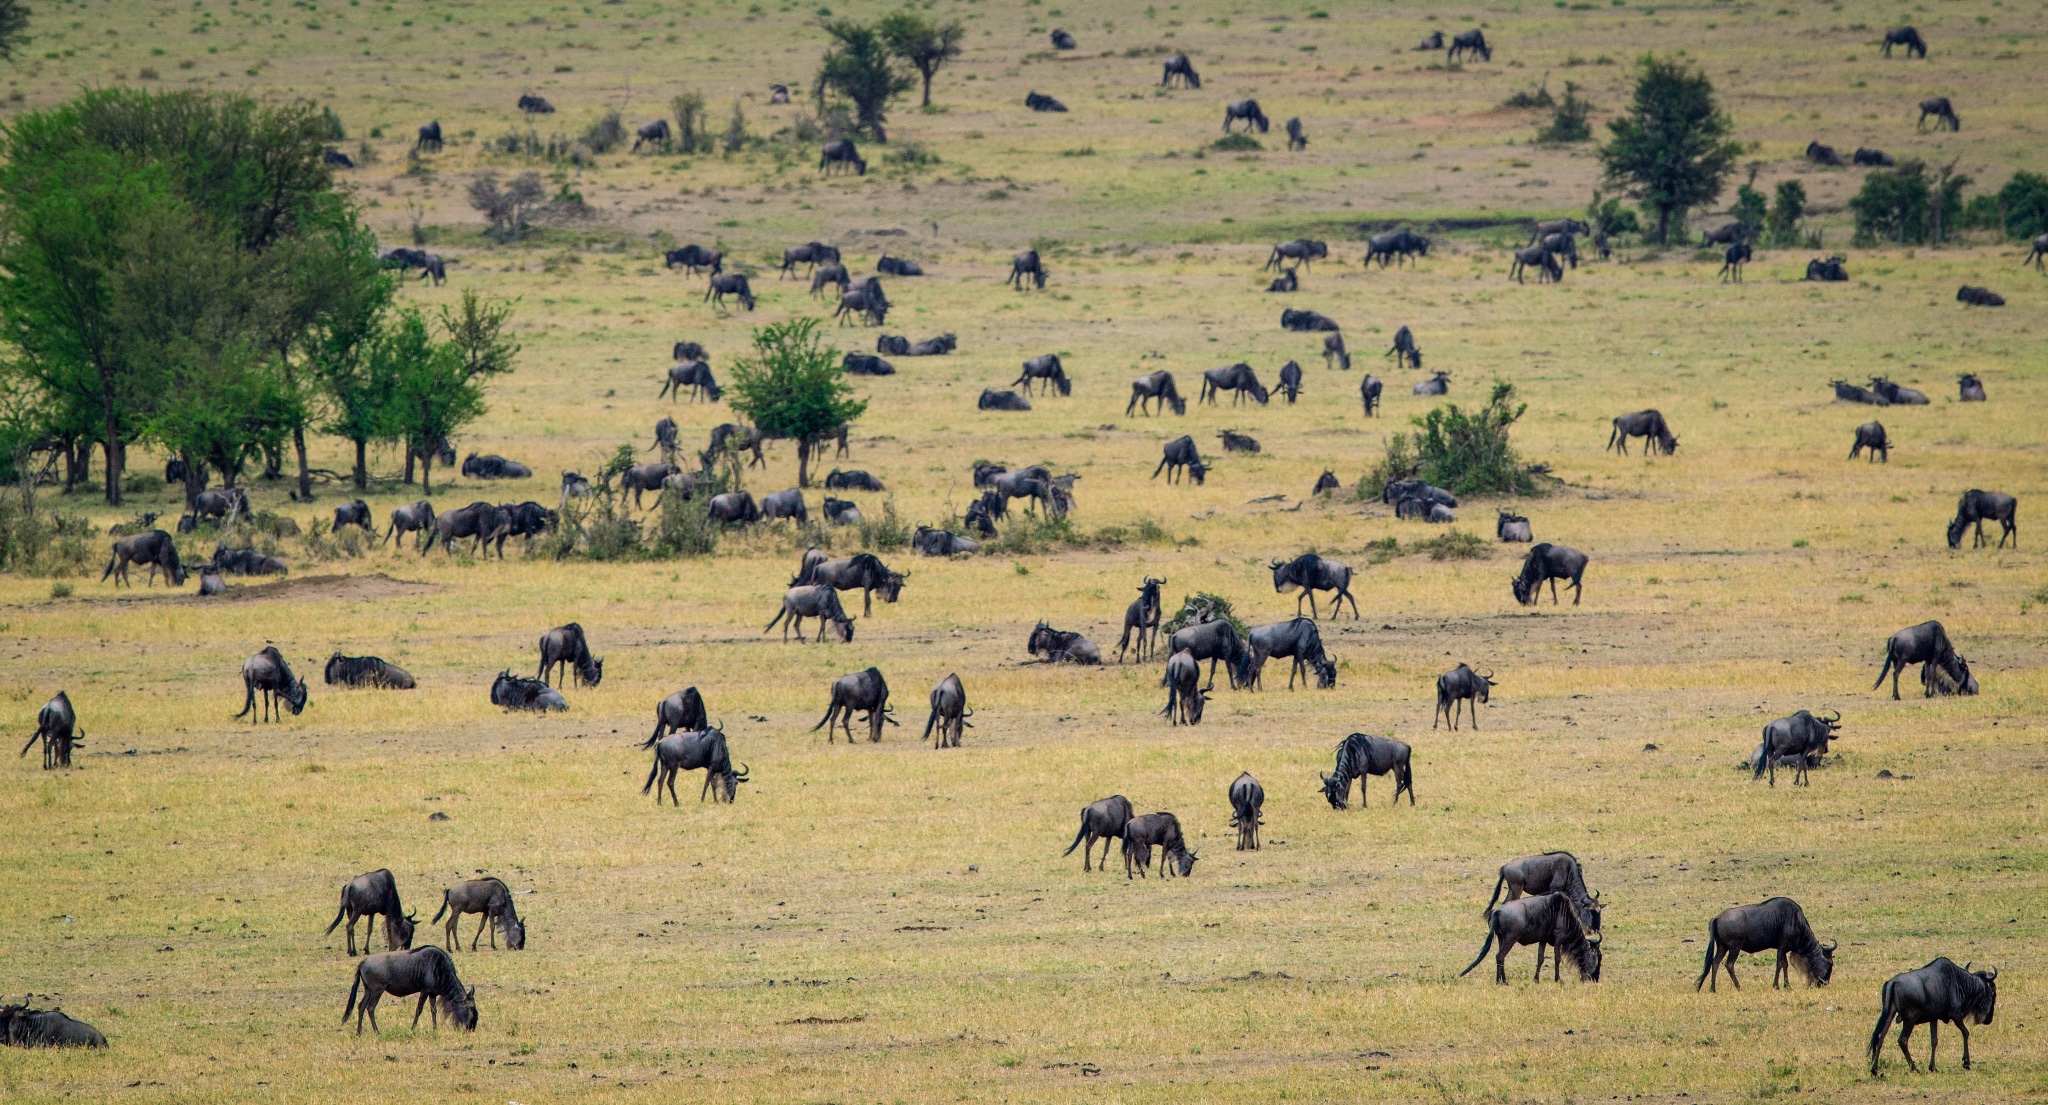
(421, 1008)
(1345, 593)
(369, 1007)
(1500, 965)
(673, 800)
(1933, 1043)
(1539, 960)
(1905, 1033)
(1783, 971)
(1730, 964)
(1964, 1028)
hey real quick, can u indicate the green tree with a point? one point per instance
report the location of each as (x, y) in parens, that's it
(1568, 120)
(860, 69)
(1787, 208)
(1671, 149)
(337, 355)
(793, 387)
(926, 44)
(1750, 207)
(13, 27)
(1904, 206)
(431, 395)
(1466, 453)
(2024, 201)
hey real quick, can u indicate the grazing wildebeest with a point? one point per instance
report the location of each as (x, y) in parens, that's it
(1974, 507)
(374, 895)
(367, 671)
(1143, 617)
(1036, 102)
(1161, 829)
(1325, 482)
(490, 466)
(1940, 991)
(732, 283)
(1828, 271)
(1896, 394)
(1438, 384)
(1474, 41)
(1184, 698)
(1908, 37)
(1850, 393)
(1302, 251)
(1546, 265)
(535, 105)
(515, 692)
(1550, 562)
(841, 512)
(1234, 442)
(688, 750)
(839, 156)
(1311, 573)
(1775, 924)
(1290, 381)
(1061, 647)
(1045, 368)
(1360, 755)
(1435, 41)
(57, 727)
(863, 570)
(1648, 425)
(1155, 386)
(1297, 136)
(1216, 642)
(1369, 393)
(735, 508)
(865, 691)
(1925, 644)
(1061, 40)
(1247, 110)
(1306, 321)
(429, 137)
(665, 440)
(1247, 805)
(993, 400)
(1971, 388)
(355, 513)
(566, 647)
(1864, 155)
(2035, 256)
(832, 274)
(1297, 639)
(1181, 453)
(1512, 527)
(1334, 353)
(489, 897)
(949, 713)
(1026, 264)
(428, 972)
(1549, 873)
(897, 266)
(1944, 114)
(810, 253)
(808, 601)
(695, 375)
(784, 504)
(1396, 246)
(1460, 690)
(1801, 737)
(1732, 262)
(1404, 349)
(642, 478)
(21, 1026)
(1102, 820)
(691, 258)
(1287, 281)
(866, 364)
(1821, 154)
(267, 672)
(655, 132)
(1871, 436)
(154, 548)
(1973, 296)
(937, 542)
(480, 520)
(1179, 67)
(1543, 920)
(681, 712)
(1238, 379)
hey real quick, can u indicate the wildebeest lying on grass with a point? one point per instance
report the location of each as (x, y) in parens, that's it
(428, 972)
(1543, 920)
(1871, 436)
(1061, 647)
(993, 400)
(515, 692)
(1829, 271)
(1161, 829)
(1439, 384)
(1512, 527)
(864, 691)
(1360, 755)
(1971, 389)
(1104, 820)
(1974, 507)
(1940, 991)
(154, 548)
(1247, 806)
(1775, 924)
(57, 727)
(1896, 394)
(1234, 442)
(937, 542)
(1036, 102)
(21, 1026)
(1550, 562)
(489, 897)
(1325, 483)
(688, 751)
(267, 672)
(245, 561)
(493, 467)
(374, 895)
(1926, 644)
(1821, 154)
(949, 713)
(367, 671)
(1457, 691)
(1979, 297)
(565, 646)
(1875, 158)
(1800, 737)
(1306, 321)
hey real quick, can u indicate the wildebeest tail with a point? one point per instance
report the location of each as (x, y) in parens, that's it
(1483, 948)
(1889, 660)
(357, 986)
(1887, 1009)
(1498, 883)
(651, 773)
(117, 556)
(1764, 753)
(339, 912)
(249, 704)
(1713, 953)
(934, 720)
(1078, 836)
(444, 904)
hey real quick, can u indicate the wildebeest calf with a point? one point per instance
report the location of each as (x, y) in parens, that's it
(1143, 833)
(1247, 804)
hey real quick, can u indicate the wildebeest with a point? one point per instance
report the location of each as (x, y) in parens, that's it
(1970, 387)
(1822, 154)
(2037, 254)
(1297, 136)
(1104, 820)
(1974, 507)
(1733, 260)
(355, 513)
(1828, 271)
(154, 548)
(1161, 829)
(1026, 264)
(1142, 617)
(1311, 573)
(1061, 40)
(1325, 483)
(1944, 114)
(864, 691)
(993, 400)
(1302, 251)
(811, 601)
(1184, 696)
(1287, 281)
(489, 897)
(1394, 491)
(691, 258)
(735, 508)
(1512, 527)
(1404, 349)
(949, 713)
(1369, 394)
(897, 266)
(1046, 369)
(1728, 234)
(337, 159)
(1897, 394)
(1864, 155)
(1247, 110)
(374, 895)
(1247, 806)
(1850, 393)
(1061, 646)
(810, 253)
(1544, 228)
(1926, 644)
(1234, 442)
(1472, 40)
(210, 581)
(244, 561)
(1238, 379)
(1459, 690)
(1550, 562)
(655, 132)
(785, 504)
(695, 375)
(1438, 384)
(1360, 755)
(267, 672)
(827, 275)
(1178, 67)
(666, 440)
(530, 519)
(428, 972)
(1940, 991)
(1215, 641)
(1800, 737)
(1306, 321)
(1549, 873)
(535, 105)
(1181, 453)
(1435, 41)
(937, 542)
(1648, 425)
(57, 727)
(839, 156)
(642, 478)
(515, 692)
(493, 467)
(21, 1026)
(566, 647)
(1543, 920)
(681, 712)
(1155, 386)
(1973, 296)
(1290, 381)
(852, 480)
(429, 137)
(1396, 246)
(981, 514)
(1036, 102)
(866, 364)
(732, 283)
(1562, 245)
(863, 570)
(778, 93)
(1909, 37)
(1547, 268)
(1297, 639)
(689, 750)
(933, 347)
(367, 671)
(1871, 436)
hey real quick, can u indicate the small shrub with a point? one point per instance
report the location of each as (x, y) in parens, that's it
(2024, 203)
(1469, 453)
(1788, 207)
(735, 131)
(684, 526)
(1236, 142)
(1568, 122)
(1383, 550)
(1399, 463)
(911, 155)
(1532, 97)
(60, 590)
(692, 133)
(606, 134)
(1202, 607)
(1455, 545)
(885, 534)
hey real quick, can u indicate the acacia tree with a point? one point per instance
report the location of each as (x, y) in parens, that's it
(794, 387)
(859, 68)
(1671, 150)
(925, 44)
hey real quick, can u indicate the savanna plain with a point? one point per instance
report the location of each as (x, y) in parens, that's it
(887, 922)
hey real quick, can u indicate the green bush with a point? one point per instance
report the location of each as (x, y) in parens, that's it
(1469, 454)
(684, 526)
(1236, 142)
(606, 134)
(1611, 218)
(885, 534)
(36, 541)
(1202, 607)
(1455, 545)
(1787, 208)
(1568, 122)
(2024, 202)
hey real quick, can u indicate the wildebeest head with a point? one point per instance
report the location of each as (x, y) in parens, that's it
(1338, 790)
(729, 782)
(400, 929)
(460, 1005)
(1185, 861)
(295, 695)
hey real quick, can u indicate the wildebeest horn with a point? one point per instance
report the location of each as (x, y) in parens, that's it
(1833, 720)
(1992, 976)
(1277, 564)
(1488, 676)
(1595, 937)
(740, 776)
(1830, 946)
(413, 916)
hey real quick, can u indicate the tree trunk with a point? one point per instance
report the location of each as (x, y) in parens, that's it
(426, 473)
(927, 73)
(1663, 226)
(305, 477)
(195, 481)
(410, 457)
(362, 469)
(74, 454)
(803, 461)
(112, 427)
